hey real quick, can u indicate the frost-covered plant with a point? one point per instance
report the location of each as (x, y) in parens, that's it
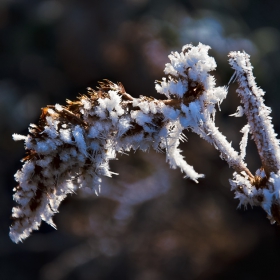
(72, 145)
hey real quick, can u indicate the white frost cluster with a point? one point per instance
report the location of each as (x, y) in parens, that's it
(71, 147)
(66, 154)
(189, 80)
(264, 195)
(258, 115)
(186, 70)
(263, 190)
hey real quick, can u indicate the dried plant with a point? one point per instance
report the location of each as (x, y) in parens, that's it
(71, 146)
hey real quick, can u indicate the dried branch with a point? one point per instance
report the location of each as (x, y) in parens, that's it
(72, 145)
(256, 112)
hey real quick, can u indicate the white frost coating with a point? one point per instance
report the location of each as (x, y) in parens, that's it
(266, 181)
(214, 136)
(144, 106)
(113, 102)
(75, 148)
(153, 107)
(93, 132)
(123, 125)
(170, 113)
(190, 66)
(173, 154)
(267, 200)
(243, 144)
(44, 162)
(239, 112)
(140, 117)
(248, 192)
(18, 137)
(256, 112)
(274, 181)
(264, 196)
(79, 138)
(71, 147)
(194, 57)
(58, 108)
(86, 103)
(69, 155)
(172, 87)
(219, 94)
(195, 111)
(66, 135)
(51, 131)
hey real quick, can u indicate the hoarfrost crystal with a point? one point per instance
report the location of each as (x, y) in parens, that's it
(72, 145)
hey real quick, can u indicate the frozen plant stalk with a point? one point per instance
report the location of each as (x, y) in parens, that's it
(71, 145)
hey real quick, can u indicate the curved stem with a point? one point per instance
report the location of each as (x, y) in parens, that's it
(228, 153)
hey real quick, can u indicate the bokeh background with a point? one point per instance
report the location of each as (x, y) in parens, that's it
(148, 223)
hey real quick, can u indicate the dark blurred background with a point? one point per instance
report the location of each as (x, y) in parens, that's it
(148, 223)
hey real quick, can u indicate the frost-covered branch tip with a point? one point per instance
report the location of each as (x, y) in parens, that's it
(71, 146)
(256, 112)
(265, 188)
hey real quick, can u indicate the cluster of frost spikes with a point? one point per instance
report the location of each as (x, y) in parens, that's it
(72, 145)
(264, 189)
